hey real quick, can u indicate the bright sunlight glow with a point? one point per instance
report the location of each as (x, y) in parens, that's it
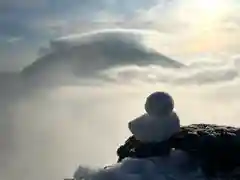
(209, 5)
(206, 13)
(213, 8)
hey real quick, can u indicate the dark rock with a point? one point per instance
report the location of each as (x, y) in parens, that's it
(136, 149)
(215, 148)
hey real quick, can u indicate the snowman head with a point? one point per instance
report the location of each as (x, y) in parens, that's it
(159, 104)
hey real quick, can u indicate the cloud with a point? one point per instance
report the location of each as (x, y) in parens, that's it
(22, 4)
(10, 40)
(121, 56)
(39, 21)
(14, 39)
(153, 74)
(198, 26)
(189, 28)
(87, 54)
(135, 15)
(47, 129)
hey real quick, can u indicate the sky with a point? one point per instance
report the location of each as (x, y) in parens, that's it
(202, 26)
(46, 133)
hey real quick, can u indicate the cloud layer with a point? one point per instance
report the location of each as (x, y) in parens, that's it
(122, 55)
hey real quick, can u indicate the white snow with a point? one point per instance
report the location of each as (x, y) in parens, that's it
(176, 167)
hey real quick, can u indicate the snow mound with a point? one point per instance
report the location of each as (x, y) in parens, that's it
(176, 167)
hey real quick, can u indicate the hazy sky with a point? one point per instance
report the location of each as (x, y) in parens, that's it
(46, 135)
(198, 26)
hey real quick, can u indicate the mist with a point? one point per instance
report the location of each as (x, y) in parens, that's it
(46, 133)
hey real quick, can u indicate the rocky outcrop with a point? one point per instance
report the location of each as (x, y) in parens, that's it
(215, 148)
